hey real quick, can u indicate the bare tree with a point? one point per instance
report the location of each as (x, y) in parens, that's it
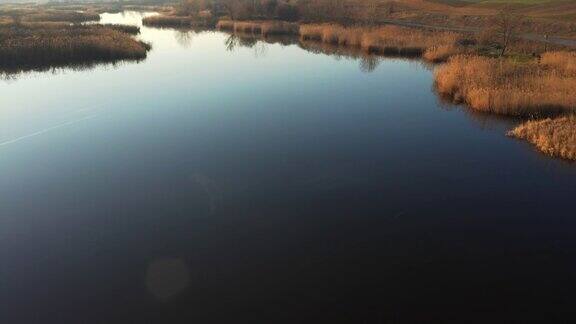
(507, 25)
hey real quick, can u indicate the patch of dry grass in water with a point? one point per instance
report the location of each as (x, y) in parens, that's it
(504, 86)
(554, 137)
(23, 48)
(387, 40)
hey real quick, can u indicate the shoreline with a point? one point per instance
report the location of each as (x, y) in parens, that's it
(493, 95)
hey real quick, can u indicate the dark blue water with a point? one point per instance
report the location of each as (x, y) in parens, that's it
(271, 184)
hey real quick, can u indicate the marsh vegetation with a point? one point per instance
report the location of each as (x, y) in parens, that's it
(38, 39)
(385, 40)
(40, 47)
(555, 137)
(535, 87)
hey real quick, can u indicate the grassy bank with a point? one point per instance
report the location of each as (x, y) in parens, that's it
(32, 47)
(554, 137)
(536, 87)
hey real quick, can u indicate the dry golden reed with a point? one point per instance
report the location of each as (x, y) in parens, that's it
(386, 40)
(504, 86)
(555, 137)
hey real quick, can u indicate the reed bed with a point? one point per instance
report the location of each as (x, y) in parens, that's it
(63, 26)
(23, 48)
(554, 137)
(442, 53)
(61, 15)
(507, 87)
(128, 29)
(562, 61)
(201, 19)
(386, 40)
(264, 28)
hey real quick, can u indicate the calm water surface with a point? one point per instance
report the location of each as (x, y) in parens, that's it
(270, 184)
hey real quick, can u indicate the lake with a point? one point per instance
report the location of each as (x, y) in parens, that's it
(268, 183)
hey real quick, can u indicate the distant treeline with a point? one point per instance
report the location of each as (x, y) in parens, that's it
(289, 10)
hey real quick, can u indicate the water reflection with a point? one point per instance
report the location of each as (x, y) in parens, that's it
(184, 37)
(16, 72)
(482, 120)
(367, 62)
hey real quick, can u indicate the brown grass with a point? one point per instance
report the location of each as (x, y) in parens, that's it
(563, 61)
(386, 40)
(35, 48)
(510, 87)
(555, 137)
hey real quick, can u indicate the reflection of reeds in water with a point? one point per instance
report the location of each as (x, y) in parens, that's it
(264, 28)
(259, 46)
(368, 62)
